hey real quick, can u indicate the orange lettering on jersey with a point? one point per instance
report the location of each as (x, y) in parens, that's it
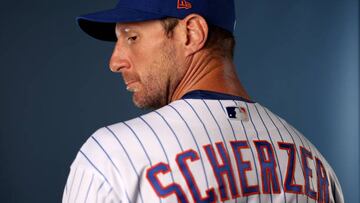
(228, 171)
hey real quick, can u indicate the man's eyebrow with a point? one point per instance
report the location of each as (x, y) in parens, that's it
(125, 30)
(127, 27)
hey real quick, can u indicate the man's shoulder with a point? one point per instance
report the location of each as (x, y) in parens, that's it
(134, 136)
(118, 136)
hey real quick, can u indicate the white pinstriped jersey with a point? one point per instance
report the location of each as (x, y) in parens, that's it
(206, 147)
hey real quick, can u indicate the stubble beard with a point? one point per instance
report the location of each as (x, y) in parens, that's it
(160, 81)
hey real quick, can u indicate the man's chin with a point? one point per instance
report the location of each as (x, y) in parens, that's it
(145, 102)
(140, 102)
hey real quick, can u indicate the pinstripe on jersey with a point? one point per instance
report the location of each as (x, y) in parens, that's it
(191, 151)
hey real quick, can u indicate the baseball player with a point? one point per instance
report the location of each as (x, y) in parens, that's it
(206, 140)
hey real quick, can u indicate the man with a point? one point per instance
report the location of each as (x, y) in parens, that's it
(206, 141)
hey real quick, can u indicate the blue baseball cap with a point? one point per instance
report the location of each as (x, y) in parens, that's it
(101, 25)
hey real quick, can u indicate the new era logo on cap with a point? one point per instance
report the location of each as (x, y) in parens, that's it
(183, 4)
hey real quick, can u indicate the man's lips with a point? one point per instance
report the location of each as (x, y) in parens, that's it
(127, 83)
(131, 86)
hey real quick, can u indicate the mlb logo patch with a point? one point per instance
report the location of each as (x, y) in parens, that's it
(237, 113)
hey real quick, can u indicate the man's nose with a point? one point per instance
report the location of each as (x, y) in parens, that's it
(118, 60)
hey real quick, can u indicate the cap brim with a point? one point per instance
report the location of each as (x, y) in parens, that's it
(101, 25)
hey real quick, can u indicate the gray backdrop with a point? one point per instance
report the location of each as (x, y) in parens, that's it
(298, 58)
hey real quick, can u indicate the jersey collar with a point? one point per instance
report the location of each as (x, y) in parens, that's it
(204, 94)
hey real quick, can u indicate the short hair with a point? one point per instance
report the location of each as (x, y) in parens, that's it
(219, 40)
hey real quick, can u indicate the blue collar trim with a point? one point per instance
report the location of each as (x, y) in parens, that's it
(204, 94)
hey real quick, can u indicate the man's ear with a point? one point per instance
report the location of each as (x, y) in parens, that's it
(196, 32)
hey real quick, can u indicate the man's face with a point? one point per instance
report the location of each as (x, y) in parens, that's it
(147, 60)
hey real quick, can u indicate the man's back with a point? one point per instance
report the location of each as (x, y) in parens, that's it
(206, 147)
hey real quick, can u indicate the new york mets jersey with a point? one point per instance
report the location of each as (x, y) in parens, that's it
(206, 147)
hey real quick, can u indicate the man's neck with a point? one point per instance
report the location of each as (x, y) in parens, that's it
(210, 73)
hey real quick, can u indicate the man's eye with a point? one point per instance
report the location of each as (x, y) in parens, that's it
(133, 38)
